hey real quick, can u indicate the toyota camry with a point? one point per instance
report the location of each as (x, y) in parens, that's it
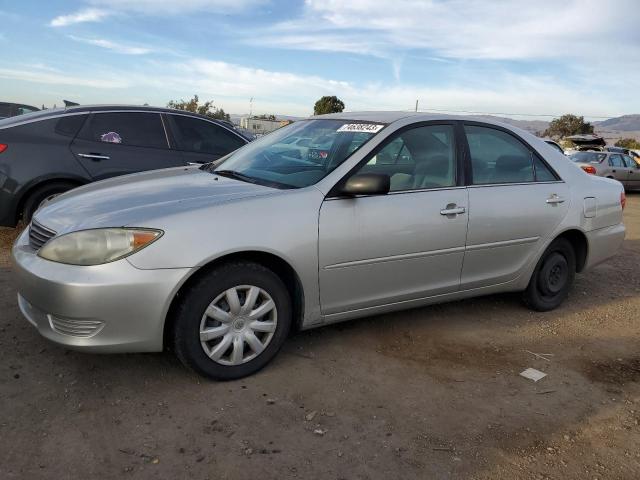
(381, 212)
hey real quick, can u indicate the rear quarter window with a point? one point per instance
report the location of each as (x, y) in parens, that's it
(70, 125)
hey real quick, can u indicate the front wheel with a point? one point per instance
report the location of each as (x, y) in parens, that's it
(232, 321)
(552, 277)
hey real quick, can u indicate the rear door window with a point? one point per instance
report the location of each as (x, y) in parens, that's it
(138, 129)
(616, 161)
(543, 172)
(498, 157)
(200, 136)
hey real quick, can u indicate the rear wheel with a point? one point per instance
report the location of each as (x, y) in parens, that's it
(41, 195)
(232, 321)
(552, 278)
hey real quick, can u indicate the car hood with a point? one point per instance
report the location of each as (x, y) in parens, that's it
(135, 200)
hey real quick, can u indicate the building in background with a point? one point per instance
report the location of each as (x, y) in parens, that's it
(260, 126)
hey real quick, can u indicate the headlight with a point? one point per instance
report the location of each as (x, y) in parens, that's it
(102, 245)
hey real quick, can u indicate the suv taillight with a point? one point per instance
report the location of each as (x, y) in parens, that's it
(623, 200)
(3, 147)
(589, 169)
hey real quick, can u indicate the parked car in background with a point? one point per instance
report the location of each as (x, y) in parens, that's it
(555, 145)
(625, 151)
(49, 152)
(611, 165)
(14, 109)
(219, 262)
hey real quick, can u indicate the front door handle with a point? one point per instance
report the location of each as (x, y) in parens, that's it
(452, 209)
(555, 199)
(94, 156)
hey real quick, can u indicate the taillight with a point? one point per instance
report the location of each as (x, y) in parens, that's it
(3, 147)
(623, 200)
(589, 169)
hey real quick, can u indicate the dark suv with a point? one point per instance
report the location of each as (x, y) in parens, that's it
(46, 153)
(12, 109)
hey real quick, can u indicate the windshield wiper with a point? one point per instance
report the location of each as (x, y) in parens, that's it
(235, 175)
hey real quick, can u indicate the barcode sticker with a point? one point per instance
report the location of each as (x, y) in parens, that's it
(361, 127)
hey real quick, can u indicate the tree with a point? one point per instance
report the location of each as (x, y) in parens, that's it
(328, 105)
(206, 108)
(630, 143)
(566, 126)
(265, 117)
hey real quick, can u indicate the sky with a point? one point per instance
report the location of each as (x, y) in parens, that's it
(521, 58)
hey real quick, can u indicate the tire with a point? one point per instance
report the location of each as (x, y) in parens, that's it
(211, 358)
(40, 194)
(552, 277)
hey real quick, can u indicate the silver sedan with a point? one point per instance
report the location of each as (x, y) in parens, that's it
(611, 165)
(383, 212)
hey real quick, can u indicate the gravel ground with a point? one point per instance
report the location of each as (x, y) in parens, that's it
(428, 393)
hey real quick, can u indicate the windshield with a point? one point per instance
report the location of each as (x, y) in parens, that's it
(298, 155)
(588, 157)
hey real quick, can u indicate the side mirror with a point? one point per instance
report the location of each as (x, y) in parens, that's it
(366, 184)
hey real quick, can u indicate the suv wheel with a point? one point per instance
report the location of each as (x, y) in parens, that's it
(232, 321)
(40, 195)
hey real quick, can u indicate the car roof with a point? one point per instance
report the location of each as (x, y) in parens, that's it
(79, 109)
(391, 117)
(598, 152)
(131, 108)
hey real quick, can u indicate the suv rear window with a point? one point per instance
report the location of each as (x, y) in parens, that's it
(139, 129)
(588, 157)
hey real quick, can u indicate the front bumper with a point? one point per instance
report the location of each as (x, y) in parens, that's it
(110, 308)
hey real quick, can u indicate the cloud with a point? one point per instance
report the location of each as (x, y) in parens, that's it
(114, 46)
(464, 29)
(231, 85)
(81, 16)
(44, 75)
(176, 7)
(101, 9)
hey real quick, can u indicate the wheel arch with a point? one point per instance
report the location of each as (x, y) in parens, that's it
(580, 245)
(273, 262)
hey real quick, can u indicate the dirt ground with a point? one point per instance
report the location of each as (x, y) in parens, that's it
(432, 393)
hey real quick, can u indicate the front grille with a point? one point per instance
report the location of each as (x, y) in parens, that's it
(75, 328)
(39, 235)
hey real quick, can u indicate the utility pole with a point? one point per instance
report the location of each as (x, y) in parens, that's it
(416, 104)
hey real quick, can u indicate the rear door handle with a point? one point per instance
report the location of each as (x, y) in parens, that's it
(555, 199)
(94, 156)
(452, 210)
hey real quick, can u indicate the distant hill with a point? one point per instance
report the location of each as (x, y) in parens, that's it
(625, 123)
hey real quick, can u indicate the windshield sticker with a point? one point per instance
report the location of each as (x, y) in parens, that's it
(361, 127)
(111, 137)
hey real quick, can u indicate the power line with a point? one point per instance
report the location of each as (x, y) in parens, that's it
(512, 114)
